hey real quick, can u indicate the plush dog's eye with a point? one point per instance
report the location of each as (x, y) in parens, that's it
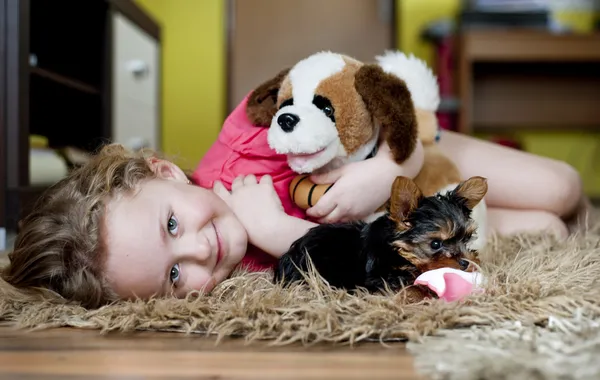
(464, 264)
(324, 105)
(288, 102)
(436, 244)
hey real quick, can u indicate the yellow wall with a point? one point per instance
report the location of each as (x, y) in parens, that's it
(413, 16)
(193, 42)
(582, 150)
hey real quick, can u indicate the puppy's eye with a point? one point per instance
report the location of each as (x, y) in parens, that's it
(328, 111)
(436, 244)
(464, 264)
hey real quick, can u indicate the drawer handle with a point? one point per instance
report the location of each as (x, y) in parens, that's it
(138, 68)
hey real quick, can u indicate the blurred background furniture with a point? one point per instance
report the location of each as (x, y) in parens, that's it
(75, 74)
(521, 73)
(520, 79)
(260, 45)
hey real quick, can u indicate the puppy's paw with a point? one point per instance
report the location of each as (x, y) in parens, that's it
(289, 268)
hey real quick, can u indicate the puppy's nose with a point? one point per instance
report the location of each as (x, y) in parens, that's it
(287, 121)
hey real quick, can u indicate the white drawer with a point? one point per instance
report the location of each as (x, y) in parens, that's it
(135, 84)
(136, 123)
(135, 61)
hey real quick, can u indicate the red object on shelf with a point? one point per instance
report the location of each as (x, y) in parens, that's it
(506, 141)
(444, 67)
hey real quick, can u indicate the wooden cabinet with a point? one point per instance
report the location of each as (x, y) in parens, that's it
(80, 73)
(512, 80)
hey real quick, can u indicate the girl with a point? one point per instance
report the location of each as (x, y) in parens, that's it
(128, 226)
(125, 225)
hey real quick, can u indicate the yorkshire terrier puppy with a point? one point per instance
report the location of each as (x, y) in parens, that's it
(415, 234)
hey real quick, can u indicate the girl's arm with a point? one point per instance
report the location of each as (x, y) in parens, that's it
(259, 209)
(362, 187)
(409, 168)
(276, 238)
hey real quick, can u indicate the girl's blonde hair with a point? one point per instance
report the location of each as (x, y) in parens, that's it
(60, 243)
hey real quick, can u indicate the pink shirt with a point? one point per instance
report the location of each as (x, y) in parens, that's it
(241, 149)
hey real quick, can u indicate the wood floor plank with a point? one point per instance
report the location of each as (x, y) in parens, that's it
(229, 365)
(73, 353)
(79, 339)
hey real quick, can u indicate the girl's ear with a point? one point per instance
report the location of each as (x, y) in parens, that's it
(166, 170)
(262, 103)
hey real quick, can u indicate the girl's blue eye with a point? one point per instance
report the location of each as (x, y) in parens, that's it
(174, 275)
(172, 226)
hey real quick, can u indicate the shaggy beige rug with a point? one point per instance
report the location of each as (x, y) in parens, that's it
(538, 317)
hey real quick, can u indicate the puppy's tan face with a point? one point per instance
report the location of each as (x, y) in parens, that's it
(322, 121)
(441, 247)
(435, 232)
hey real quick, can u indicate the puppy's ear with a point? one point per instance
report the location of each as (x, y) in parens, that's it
(388, 100)
(472, 190)
(262, 103)
(404, 199)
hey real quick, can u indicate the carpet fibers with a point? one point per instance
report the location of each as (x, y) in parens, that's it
(538, 317)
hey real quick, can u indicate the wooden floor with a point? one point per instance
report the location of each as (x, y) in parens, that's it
(71, 354)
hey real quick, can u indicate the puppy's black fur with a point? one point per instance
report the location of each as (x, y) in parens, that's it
(348, 255)
(416, 234)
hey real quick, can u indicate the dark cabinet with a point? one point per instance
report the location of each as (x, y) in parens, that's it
(59, 64)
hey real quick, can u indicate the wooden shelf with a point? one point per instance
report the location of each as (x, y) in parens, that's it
(65, 81)
(515, 80)
(530, 45)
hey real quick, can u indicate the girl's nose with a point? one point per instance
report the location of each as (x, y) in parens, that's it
(195, 248)
(203, 247)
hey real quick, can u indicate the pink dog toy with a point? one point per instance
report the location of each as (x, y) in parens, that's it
(451, 284)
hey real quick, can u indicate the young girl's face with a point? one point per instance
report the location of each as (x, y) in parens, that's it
(170, 237)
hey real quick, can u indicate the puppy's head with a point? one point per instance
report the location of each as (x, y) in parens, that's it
(329, 109)
(434, 232)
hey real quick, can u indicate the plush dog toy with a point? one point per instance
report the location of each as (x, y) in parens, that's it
(330, 109)
(438, 173)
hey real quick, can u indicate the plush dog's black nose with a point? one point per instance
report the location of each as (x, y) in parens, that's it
(287, 121)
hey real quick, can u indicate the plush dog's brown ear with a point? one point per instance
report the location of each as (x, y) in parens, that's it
(262, 103)
(388, 100)
(472, 190)
(404, 199)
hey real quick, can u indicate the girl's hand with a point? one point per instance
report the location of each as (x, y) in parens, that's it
(362, 187)
(256, 204)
